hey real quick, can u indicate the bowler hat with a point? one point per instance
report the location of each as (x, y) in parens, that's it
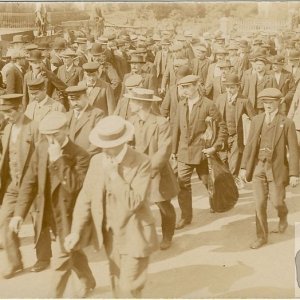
(31, 47)
(17, 39)
(52, 122)
(142, 94)
(97, 49)
(243, 44)
(59, 44)
(165, 41)
(133, 80)
(278, 60)
(43, 46)
(91, 67)
(220, 50)
(10, 101)
(231, 79)
(36, 84)
(224, 64)
(76, 89)
(188, 79)
(35, 55)
(270, 94)
(111, 131)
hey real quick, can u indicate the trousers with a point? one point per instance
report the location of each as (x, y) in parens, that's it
(264, 189)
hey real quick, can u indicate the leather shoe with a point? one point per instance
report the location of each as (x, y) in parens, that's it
(40, 265)
(182, 223)
(12, 271)
(283, 225)
(165, 244)
(85, 289)
(258, 243)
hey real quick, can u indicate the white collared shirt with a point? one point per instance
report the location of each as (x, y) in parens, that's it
(43, 102)
(277, 77)
(231, 98)
(191, 103)
(19, 67)
(78, 114)
(68, 69)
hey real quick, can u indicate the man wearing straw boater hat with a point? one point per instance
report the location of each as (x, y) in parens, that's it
(115, 196)
(153, 137)
(232, 106)
(53, 179)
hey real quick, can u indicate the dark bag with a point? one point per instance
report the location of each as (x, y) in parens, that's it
(223, 192)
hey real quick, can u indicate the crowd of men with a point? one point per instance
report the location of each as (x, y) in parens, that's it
(94, 132)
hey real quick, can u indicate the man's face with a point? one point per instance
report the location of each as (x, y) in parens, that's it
(270, 105)
(113, 152)
(58, 52)
(135, 105)
(232, 52)
(91, 78)
(12, 114)
(165, 48)
(22, 61)
(224, 71)
(38, 95)
(220, 56)
(136, 67)
(179, 62)
(277, 67)
(78, 102)
(67, 60)
(35, 66)
(59, 136)
(188, 39)
(232, 89)
(260, 66)
(188, 90)
(199, 52)
(220, 42)
(101, 59)
(127, 46)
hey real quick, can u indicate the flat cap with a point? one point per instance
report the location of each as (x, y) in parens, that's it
(10, 100)
(224, 64)
(133, 80)
(91, 67)
(270, 94)
(69, 53)
(52, 122)
(278, 60)
(36, 84)
(76, 89)
(188, 79)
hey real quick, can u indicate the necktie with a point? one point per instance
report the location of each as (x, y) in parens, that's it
(268, 118)
(76, 114)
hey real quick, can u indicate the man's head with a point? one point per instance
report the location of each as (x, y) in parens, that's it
(11, 105)
(165, 44)
(111, 134)
(277, 63)
(231, 84)
(294, 58)
(54, 127)
(225, 67)
(18, 42)
(68, 57)
(141, 99)
(188, 86)
(19, 57)
(37, 89)
(59, 46)
(35, 60)
(220, 41)
(199, 49)
(136, 63)
(91, 72)
(221, 54)
(260, 65)
(271, 99)
(179, 62)
(82, 43)
(77, 97)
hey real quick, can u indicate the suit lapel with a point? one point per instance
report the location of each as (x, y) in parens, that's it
(6, 136)
(69, 74)
(279, 123)
(43, 163)
(82, 120)
(239, 110)
(282, 80)
(93, 94)
(128, 162)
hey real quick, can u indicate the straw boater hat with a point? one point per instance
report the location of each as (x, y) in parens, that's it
(143, 95)
(111, 131)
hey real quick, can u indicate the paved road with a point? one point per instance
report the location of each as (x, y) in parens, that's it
(210, 258)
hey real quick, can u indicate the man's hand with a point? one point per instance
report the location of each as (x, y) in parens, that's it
(294, 181)
(209, 151)
(54, 150)
(15, 224)
(70, 241)
(242, 175)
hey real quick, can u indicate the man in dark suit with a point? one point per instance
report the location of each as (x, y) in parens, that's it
(189, 146)
(115, 197)
(18, 143)
(153, 137)
(82, 50)
(55, 175)
(56, 61)
(68, 72)
(265, 162)
(82, 118)
(99, 92)
(232, 106)
(284, 81)
(15, 74)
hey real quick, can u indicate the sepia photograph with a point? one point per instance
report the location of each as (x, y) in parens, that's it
(150, 150)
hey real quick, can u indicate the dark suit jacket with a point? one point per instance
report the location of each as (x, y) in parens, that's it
(214, 88)
(188, 140)
(200, 68)
(66, 174)
(79, 134)
(285, 138)
(72, 77)
(28, 136)
(126, 196)
(158, 64)
(156, 143)
(243, 106)
(102, 97)
(169, 76)
(14, 80)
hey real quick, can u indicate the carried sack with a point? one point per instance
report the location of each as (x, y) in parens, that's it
(223, 192)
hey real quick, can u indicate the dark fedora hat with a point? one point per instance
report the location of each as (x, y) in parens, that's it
(231, 79)
(96, 49)
(35, 55)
